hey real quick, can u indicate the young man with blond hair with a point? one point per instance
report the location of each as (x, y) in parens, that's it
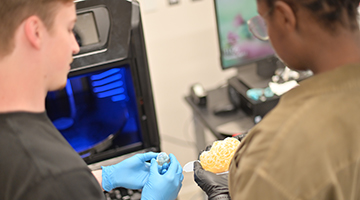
(36, 48)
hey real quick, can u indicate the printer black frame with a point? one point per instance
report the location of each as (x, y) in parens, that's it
(125, 46)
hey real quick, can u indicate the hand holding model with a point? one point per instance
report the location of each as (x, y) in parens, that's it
(214, 185)
(212, 159)
(164, 186)
(132, 173)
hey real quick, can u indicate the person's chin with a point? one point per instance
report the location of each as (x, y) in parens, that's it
(59, 87)
(62, 86)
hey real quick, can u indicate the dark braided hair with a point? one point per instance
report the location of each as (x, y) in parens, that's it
(329, 13)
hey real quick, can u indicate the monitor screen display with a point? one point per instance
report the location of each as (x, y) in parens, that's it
(237, 45)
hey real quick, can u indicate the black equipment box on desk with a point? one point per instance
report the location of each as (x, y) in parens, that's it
(246, 79)
(237, 95)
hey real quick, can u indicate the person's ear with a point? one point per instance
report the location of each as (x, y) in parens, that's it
(285, 16)
(33, 28)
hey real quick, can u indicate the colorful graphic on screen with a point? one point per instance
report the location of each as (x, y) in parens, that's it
(238, 46)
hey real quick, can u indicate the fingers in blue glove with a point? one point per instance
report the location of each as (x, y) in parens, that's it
(130, 173)
(147, 156)
(163, 169)
(175, 166)
(165, 166)
(154, 167)
(164, 186)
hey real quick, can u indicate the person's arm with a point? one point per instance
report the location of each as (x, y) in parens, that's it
(74, 184)
(98, 176)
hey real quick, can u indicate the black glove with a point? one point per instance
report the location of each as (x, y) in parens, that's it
(240, 137)
(215, 186)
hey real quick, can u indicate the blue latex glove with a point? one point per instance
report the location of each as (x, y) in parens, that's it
(131, 173)
(163, 186)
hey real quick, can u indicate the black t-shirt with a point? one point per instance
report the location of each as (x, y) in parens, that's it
(37, 163)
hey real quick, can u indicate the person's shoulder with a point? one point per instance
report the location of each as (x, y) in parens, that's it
(75, 184)
(253, 148)
(36, 143)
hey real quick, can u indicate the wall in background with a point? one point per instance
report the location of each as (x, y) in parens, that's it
(182, 48)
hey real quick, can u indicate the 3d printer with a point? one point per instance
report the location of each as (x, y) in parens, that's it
(107, 109)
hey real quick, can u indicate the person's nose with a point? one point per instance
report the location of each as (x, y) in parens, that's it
(75, 46)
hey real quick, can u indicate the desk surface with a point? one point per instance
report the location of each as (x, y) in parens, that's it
(220, 125)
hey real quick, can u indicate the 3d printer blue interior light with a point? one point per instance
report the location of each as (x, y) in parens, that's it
(105, 74)
(109, 84)
(85, 127)
(99, 82)
(63, 123)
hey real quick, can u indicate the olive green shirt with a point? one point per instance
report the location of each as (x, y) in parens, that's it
(307, 147)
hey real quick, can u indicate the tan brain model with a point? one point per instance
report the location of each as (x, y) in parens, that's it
(218, 159)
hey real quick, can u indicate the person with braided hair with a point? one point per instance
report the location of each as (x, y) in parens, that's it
(308, 146)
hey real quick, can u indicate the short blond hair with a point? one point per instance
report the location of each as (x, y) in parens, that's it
(14, 12)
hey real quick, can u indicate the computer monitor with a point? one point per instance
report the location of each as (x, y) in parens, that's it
(238, 47)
